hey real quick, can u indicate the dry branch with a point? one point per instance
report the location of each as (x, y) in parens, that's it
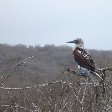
(21, 63)
(102, 71)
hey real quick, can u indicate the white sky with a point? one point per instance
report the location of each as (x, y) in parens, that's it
(34, 22)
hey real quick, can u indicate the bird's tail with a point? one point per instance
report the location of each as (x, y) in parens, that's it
(96, 74)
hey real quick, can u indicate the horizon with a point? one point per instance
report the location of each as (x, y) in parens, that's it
(51, 45)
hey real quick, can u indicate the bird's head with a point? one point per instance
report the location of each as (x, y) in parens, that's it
(79, 42)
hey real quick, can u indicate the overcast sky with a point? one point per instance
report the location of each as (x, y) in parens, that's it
(34, 22)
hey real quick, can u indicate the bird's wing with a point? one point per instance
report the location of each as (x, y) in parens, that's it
(85, 54)
(83, 58)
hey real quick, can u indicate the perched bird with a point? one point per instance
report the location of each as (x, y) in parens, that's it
(83, 58)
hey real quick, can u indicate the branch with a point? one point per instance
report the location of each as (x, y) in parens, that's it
(19, 64)
(84, 94)
(106, 69)
(28, 87)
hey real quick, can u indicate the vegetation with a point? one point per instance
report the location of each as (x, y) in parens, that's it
(33, 79)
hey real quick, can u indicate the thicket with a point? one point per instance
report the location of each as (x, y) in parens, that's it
(32, 79)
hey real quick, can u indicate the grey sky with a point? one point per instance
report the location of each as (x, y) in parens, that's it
(56, 21)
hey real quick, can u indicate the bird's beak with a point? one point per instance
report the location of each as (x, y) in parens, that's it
(71, 41)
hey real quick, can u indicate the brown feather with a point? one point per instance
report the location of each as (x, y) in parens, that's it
(83, 61)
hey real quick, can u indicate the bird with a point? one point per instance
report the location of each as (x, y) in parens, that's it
(83, 58)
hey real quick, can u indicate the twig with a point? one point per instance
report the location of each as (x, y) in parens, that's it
(84, 92)
(19, 64)
(30, 87)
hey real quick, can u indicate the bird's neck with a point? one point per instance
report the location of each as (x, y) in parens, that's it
(80, 46)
